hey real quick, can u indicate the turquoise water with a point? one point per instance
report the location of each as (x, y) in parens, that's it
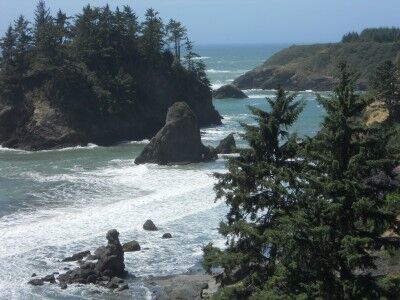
(55, 203)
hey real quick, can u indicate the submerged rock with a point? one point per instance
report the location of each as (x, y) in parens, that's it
(178, 141)
(131, 246)
(76, 256)
(36, 282)
(229, 91)
(227, 145)
(149, 226)
(167, 236)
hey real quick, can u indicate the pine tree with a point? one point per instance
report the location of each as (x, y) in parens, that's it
(152, 38)
(23, 40)
(8, 49)
(327, 244)
(256, 191)
(176, 34)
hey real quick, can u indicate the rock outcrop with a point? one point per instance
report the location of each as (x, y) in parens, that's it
(227, 145)
(107, 271)
(229, 91)
(49, 115)
(178, 141)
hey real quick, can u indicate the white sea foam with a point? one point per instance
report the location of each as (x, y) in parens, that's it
(119, 195)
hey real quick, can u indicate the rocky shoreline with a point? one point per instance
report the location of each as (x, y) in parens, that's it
(105, 268)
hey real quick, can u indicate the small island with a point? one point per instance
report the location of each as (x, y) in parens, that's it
(102, 77)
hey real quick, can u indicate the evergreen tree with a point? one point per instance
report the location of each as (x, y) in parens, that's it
(8, 49)
(327, 244)
(152, 38)
(256, 190)
(386, 85)
(176, 34)
(44, 37)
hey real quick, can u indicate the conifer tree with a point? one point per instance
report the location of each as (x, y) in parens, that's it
(327, 244)
(255, 190)
(176, 34)
(386, 85)
(152, 38)
(8, 49)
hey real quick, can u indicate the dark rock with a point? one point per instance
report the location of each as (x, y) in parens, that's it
(178, 141)
(229, 91)
(63, 285)
(149, 226)
(227, 145)
(122, 287)
(111, 285)
(34, 275)
(49, 278)
(66, 268)
(91, 257)
(117, 280)
(36, 282)
(167, 236)
(56, 273)
(110, 264)
(131, 246)
(76, 256)
(99, 252)
(113, 258)
(92, 278)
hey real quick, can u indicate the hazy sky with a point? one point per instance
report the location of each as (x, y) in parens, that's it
(245, 21)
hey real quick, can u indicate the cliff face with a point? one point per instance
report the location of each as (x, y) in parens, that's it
(311, 67)
(54, 113)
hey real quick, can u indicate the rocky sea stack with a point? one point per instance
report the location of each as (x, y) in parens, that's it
(107, 271)
(229, 91)
(178, 141)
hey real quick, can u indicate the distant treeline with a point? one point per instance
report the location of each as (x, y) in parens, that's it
(379, 35)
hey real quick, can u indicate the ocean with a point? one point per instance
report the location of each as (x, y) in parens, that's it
(56, 203)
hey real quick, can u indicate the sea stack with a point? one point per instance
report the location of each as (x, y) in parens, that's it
(178, 141)
(229, 91)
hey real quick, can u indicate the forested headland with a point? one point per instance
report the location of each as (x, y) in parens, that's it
(312, 67)
(99, 77)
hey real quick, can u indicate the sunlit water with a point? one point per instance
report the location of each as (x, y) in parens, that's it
(56, 203)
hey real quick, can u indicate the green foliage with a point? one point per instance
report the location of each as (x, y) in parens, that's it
(255, 189)
(379, 35)
(94, 59)
(305, 219)
(385, 85)
(322, 59)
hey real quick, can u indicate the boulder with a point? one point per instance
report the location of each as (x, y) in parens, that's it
(178, 141)
(229, 91)
(167, 236)
(131, 246)
(36, 282)
(149, 226)
(49, 278)
(227, 145)
(76, 256)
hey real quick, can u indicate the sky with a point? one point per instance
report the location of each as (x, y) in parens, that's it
(244, 21)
